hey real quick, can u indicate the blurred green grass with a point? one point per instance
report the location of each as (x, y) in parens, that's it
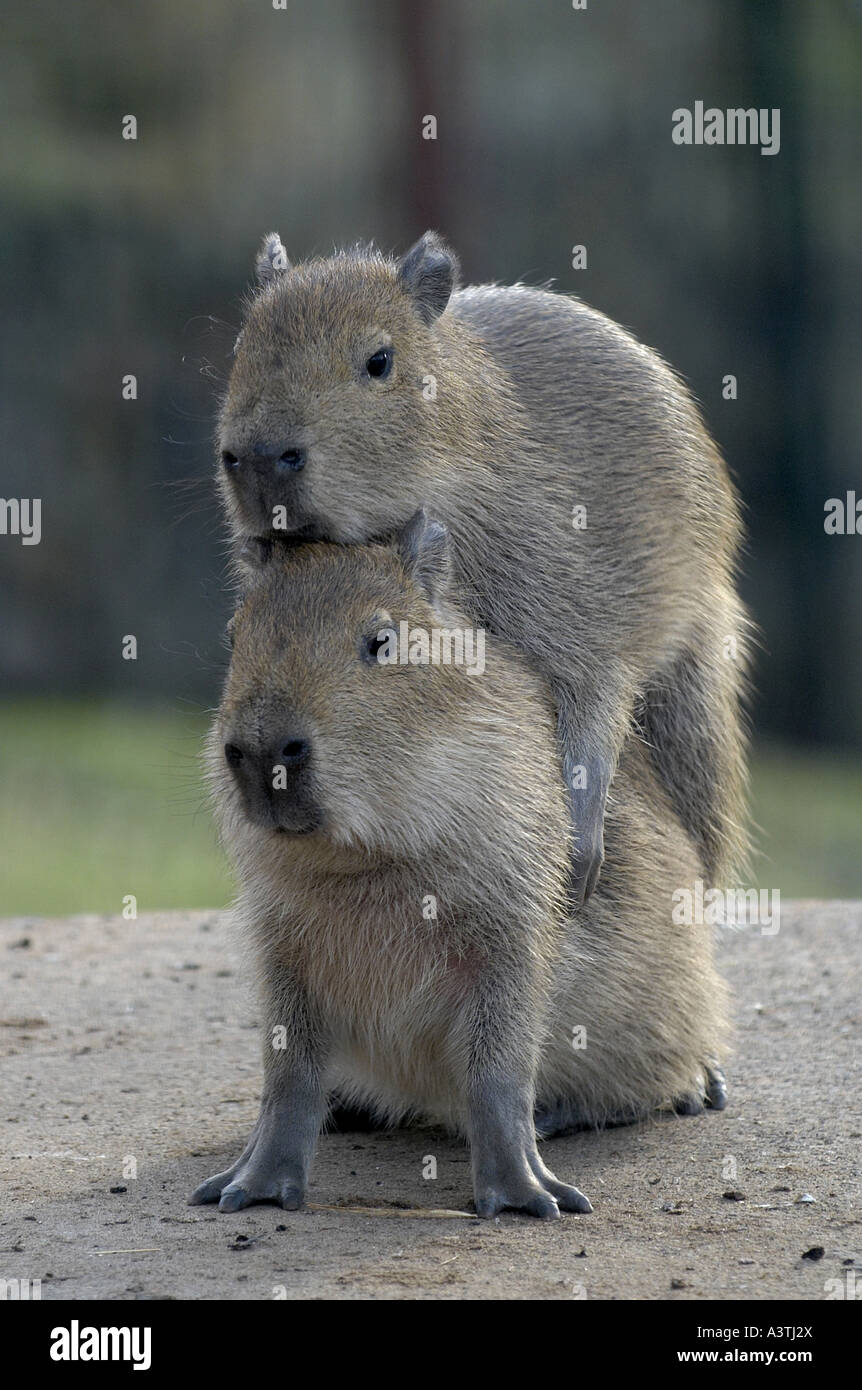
(807, 811)
(101, 800)
(98, 801)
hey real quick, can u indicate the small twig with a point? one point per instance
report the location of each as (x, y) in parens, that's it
(148, 1250)
(438, 1213)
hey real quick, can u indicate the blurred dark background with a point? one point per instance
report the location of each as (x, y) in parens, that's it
(554, 129)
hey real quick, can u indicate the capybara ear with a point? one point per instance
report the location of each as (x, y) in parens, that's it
(423, 546)
(271, 259)
(429, 273)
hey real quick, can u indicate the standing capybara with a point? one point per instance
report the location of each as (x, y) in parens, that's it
(401, 838)
(592, 519)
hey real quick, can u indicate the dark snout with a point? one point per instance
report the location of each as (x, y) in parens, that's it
(268, 485)
(276, 781)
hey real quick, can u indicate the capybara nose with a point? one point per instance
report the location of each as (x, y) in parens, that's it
(290, 461)
(288, 752)
(293, 752)
(233, 754)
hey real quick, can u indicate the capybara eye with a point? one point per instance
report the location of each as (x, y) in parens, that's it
(229, 460)
(371, 647)
(379, 364)
(233, 755)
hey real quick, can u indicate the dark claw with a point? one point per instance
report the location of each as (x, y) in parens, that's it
(567, 1198)
(585, 872)
(570, 1199)
(209, 1191)
(587, 806)
(535, 1203)
(593, 873)
(716, 1088)
(544, 1206)
(715, 1096)
(582, 882)
(234, 1198)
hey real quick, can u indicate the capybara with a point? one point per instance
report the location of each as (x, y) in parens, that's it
(401, 837)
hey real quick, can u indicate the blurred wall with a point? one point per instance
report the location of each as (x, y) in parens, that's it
(554, 128)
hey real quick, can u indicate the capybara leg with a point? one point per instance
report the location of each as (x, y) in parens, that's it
(507, 1170)
(275, 1163)
(274, 1166)
(587, 804)
(692, 722)
(587, 779)
(591, 727)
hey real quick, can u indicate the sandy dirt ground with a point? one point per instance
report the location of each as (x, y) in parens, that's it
(129, 1072)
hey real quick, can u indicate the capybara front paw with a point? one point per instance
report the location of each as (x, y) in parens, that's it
(528, 1187)
(249, 1183)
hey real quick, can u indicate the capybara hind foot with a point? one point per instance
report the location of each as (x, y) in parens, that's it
(558, 1118)
(567, 1117)
(716, 1088)
(689, 1104)
(712, 1094)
